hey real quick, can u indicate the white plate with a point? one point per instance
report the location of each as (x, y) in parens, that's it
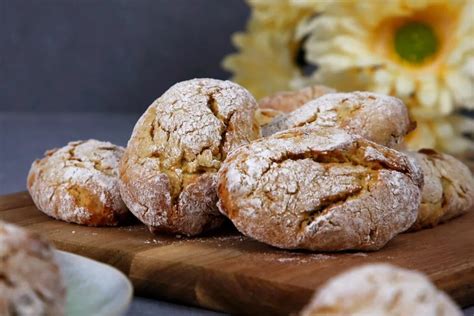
(93, 288)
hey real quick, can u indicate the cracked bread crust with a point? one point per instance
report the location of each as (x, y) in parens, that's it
(448, 190)
(288, 101)
(30, 279)
(320, 189)
(168, 172)
(379, 118)
(380, 289)
(78, 183)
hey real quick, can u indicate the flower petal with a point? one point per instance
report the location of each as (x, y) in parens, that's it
(468, 68)
(462, 88)
(464, 48)
(427, 93)
(404, 85)
(335, 62)
(383, 81)
(466, 22)
(324, 27)
(445, 101)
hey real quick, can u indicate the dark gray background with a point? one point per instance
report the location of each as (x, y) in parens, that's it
(109, 55)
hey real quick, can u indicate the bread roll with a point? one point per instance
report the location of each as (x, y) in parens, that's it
(30, 279)
(168, 172)
(379, 118)
(78, 183)
(448, 190)
(320, 189)
(382, 290)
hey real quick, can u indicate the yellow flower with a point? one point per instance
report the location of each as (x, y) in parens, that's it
(266, 61)
(421, 51)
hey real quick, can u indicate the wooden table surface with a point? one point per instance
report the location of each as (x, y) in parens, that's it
(228, 272)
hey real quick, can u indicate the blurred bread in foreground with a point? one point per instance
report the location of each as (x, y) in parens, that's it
(382, 290)
(30, 279)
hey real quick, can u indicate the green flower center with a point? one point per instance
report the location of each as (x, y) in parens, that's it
(415, 42)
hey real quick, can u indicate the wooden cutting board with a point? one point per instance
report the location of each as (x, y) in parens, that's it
(232, 273)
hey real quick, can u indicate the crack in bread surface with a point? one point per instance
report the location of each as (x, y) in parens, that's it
(183, 169)
(97, 164)
(363, 173)
(332, 201)
(225, 120)
(353, 154)
(344, 112)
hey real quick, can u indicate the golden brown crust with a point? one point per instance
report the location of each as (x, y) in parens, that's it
(30, 280)
(288, 101)
(448, 190)
(380, 289)
(78, 183)
(177, 146)
(319, 189)
(379, 118)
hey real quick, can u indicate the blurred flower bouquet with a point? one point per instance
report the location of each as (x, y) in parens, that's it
(421, 51)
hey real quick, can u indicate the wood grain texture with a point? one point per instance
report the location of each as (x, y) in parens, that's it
(228, 272)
